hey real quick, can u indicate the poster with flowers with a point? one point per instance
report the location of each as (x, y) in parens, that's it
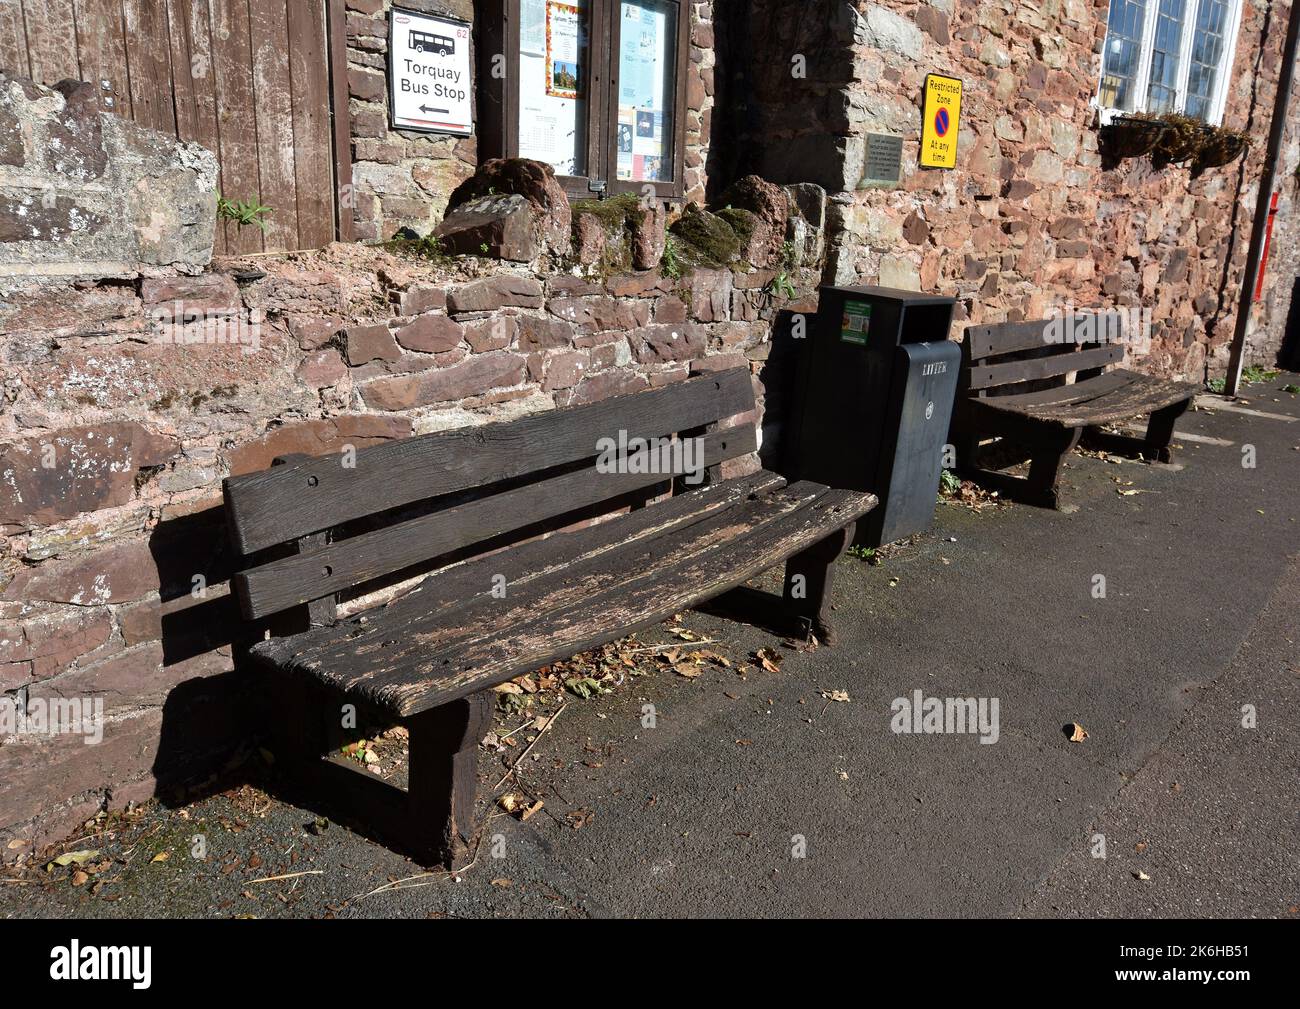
(564, 45)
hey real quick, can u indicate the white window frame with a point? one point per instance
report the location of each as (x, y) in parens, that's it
(1142, 78)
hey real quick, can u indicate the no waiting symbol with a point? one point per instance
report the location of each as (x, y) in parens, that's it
(941, 122)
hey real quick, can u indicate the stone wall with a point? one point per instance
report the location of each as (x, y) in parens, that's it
(84, 192)
(403, 179)
(1030, 220)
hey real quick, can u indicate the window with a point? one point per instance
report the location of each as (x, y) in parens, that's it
(593, 88)
(1168, 56)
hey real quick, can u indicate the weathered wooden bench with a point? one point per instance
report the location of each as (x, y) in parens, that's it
(471, 505)
(1023, 382)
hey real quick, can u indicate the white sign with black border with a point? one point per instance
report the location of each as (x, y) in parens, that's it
(429, 81)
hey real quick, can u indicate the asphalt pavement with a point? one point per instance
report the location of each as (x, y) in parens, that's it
(789, 792)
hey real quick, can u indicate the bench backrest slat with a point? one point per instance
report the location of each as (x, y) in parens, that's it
(407, 503)
(1013, 357)
(1005, 338)
(986, 376)
(304, 577)
(284, 503)
(1078, 328)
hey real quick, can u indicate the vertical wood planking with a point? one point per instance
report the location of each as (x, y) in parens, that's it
(341, 117)
(272, 99)
(101, 51)
(13, 39)
(313, 149)
(51, 40)
(190, 20)
(183, 66)
(231, 61)
(148, 63)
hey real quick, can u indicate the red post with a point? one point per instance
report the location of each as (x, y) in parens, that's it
(1268, 240)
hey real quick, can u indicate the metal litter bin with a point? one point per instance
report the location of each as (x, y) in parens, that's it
(873, 400)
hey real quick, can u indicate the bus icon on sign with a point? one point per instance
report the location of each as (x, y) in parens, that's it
(425, 42)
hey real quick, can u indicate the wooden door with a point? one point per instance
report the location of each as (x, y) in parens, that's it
(248, 79)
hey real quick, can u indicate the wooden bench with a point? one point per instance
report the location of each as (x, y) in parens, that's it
(1018, 382)
(472, 505)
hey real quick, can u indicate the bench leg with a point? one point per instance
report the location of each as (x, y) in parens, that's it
(443, 777)
(1160, 431)
(808, 582)
(1045, 467)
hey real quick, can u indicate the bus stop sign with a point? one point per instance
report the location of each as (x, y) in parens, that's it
(429, 82)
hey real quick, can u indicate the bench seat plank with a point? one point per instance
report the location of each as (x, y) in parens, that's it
(1116, 395)
(412, 656)
(445, 594)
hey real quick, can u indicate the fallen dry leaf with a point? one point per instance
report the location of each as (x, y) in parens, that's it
(72, 858)
(769, 660)
(1077, 733)
(836, 695)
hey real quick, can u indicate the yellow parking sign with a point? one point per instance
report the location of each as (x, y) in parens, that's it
(940, 121)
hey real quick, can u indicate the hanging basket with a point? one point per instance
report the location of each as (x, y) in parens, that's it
(1131, 136)
(1181, 141)
(1221, 148)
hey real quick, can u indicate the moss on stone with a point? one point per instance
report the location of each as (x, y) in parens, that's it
(614, 214)
(706, 239)
(741, 221)
(426, 247)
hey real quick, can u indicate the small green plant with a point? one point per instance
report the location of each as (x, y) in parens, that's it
(483, 247)
(865, 554)
(428, 247)
(670, 264)
(949, 483)
(242, 212)
(1254, 373)
(788, 254)
(1291, 387)
(1250, 375)
(781, 285)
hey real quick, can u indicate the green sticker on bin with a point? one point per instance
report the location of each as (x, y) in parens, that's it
(857, 320)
